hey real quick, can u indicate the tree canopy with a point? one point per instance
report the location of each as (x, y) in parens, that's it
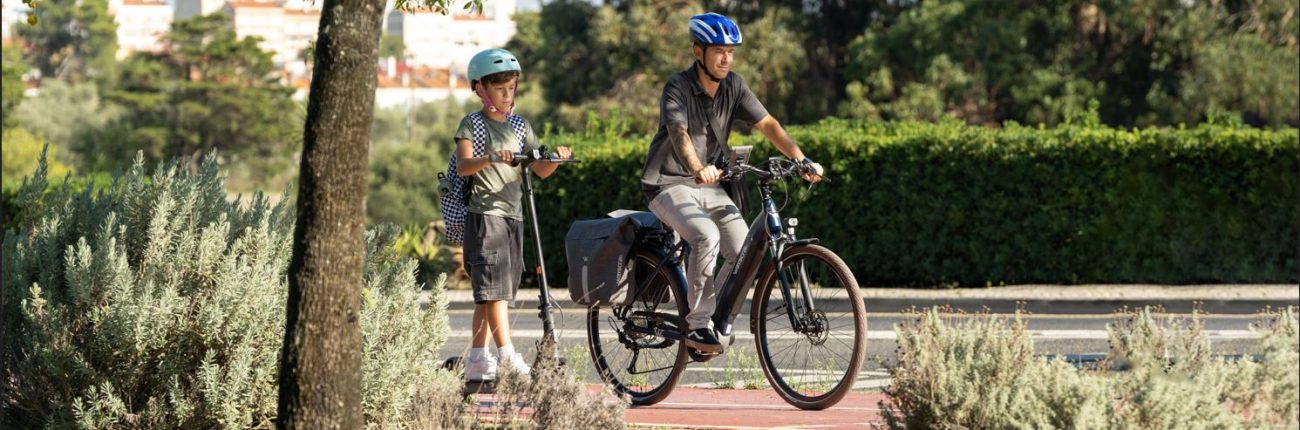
(1159, 62)
(76, 40)
(210, 90)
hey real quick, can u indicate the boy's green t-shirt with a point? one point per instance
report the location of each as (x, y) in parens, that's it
(498, 188)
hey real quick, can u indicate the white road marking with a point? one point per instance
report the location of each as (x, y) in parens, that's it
(891, 335)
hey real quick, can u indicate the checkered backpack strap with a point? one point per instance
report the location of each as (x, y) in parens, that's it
(521, 129)
(479, 130)
(455, 188)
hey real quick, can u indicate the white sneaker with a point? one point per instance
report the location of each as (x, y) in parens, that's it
(484, 369)
(515, 361)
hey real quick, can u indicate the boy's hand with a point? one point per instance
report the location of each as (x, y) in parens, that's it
(504, 156)
(563, 152)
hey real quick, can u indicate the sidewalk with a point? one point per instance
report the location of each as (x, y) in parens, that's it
(1038, 299)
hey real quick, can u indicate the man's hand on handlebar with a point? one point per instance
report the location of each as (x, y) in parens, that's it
(813, 172)
(708, 175)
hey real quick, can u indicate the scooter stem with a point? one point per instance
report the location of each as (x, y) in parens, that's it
(546, 349)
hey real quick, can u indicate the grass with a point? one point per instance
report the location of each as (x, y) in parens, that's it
(740, 371)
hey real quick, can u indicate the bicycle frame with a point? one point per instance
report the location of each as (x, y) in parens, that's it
(765, 238)
(644, 327)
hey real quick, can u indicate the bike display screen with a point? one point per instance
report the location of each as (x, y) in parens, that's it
(739, 155)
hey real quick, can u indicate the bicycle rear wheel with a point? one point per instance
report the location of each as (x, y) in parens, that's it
(813, 361)
(645, 367)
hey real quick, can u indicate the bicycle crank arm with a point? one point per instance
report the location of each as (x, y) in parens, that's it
(655, 331)
(673, 332)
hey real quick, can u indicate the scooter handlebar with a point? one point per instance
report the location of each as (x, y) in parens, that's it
(541, 154)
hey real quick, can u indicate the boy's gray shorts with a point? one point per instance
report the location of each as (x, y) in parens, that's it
(494, 256)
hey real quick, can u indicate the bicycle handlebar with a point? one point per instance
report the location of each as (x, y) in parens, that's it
(777, 168)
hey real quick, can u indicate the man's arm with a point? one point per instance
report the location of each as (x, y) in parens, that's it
(680, 140)
(772, 129)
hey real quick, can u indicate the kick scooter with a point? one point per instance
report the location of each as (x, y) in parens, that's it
(547, 348)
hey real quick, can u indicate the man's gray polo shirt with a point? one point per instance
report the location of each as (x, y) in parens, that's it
(708, 121)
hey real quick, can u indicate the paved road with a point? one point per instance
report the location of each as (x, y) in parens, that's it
(1053, 334)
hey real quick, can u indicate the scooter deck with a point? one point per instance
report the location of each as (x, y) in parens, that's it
(479, 387)
(487, 386)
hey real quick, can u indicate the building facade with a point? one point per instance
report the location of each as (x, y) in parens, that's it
(141, 25)
(448, 41)
(186, 9)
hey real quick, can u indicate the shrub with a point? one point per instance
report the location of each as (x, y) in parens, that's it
(20, 152)
(553, 398)
(156, 303)
(980, 372)
(403, 183)
(946, 203)
(433, 257)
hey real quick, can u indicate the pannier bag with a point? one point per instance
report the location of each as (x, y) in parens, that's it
(599, 253)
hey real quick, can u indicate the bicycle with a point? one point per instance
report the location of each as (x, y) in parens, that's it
(639, 348)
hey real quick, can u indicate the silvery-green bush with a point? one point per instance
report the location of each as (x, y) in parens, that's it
(158, 303)
(980, 372)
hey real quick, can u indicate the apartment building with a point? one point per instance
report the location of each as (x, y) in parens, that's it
(141, 25)
(448, 40)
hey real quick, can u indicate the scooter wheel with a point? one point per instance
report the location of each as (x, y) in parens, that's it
(453, 364)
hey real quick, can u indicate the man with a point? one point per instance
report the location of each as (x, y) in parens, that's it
(680, 177)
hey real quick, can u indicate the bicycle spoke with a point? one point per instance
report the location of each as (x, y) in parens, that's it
(813, 362)
(643, 366)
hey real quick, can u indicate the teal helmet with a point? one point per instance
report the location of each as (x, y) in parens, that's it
(495, 60)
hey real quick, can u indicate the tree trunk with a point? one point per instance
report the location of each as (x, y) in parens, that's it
(320, 363)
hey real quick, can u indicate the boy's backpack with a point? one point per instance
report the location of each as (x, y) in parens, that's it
(454, 189)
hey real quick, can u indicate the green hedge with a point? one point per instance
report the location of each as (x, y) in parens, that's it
(944, 204)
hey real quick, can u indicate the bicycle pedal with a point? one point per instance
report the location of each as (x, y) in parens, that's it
(699, 356)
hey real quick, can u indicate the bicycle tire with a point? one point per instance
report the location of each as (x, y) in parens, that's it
(668, 357)
(776, 338)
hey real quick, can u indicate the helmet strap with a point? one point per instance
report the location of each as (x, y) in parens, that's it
(700, 65)
(487, 101)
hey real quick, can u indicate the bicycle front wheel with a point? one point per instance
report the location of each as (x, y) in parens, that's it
(646, 367)
(811, 342)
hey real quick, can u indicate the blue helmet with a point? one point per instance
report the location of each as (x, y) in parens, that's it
(714, 29)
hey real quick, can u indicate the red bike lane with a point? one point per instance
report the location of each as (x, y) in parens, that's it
(702, 408)
(705, 408)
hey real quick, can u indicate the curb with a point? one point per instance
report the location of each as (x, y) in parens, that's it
(896, 300)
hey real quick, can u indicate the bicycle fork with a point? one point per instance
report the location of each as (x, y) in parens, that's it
(799, 316)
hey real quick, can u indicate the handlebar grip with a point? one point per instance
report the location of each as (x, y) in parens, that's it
(804, 169)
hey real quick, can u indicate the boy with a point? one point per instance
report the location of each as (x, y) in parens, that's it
(493, 242)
